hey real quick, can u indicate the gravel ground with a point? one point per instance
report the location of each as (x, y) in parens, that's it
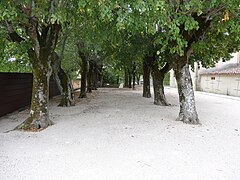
(116, 134)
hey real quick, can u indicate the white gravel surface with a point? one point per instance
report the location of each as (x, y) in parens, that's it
(118, 135)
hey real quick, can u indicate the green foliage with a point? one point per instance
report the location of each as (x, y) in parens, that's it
(122, 32)
(14, 58)
(111, 76)
(166, 81)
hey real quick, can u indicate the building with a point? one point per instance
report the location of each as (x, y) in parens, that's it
(224, 78)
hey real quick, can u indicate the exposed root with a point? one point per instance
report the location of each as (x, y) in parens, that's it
(37, 125)
(147, 95)
(162, 103)
(188, 120)
(83, 95)
(65, 102)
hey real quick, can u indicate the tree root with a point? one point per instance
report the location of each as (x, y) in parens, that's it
(162, 103)
(188, 120)
(34, 125)
(66, 102)
(83, 95)
(147, 95)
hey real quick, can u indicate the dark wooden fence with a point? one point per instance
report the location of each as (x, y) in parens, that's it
(16, 90)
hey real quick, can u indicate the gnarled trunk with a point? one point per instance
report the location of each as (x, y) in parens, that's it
(39, 111)
(138, 79)
(126, 78)
(158, 87)
(134, 75)
(44, 43)
(146, 78)
(90, 77)
(95, 76)
(63, 82)
(84, 69)
(188, 113)
(129, 79)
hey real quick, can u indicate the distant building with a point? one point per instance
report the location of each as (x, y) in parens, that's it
(224, 78)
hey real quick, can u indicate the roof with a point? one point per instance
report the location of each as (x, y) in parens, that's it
(228, 69)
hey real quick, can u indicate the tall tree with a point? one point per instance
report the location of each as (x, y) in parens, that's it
(179, 26)
(82, 52)
(35, 23)
(62, 81)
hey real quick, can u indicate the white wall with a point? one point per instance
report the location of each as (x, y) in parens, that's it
(173, 82)
(222, 84)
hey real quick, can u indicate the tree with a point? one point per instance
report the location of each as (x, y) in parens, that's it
(36, 24)
(62, 81)
(82, 52)
(192, 22)
(146, 77)
(60, 76)
(178, 26)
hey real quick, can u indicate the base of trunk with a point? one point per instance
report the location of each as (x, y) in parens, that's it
(147, 95)
(188, 119)
(66, 102)
(34, 125)
(162, 103)
(82, 95)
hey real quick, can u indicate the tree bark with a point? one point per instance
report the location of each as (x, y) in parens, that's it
(138, 79)
(100, 76)
(84, 68)
(158, 87)
(84, 71)
(134, 76)
(129, 79)
(188, 113)
(126, 78)
(39, 111)
(90, 77)
(44, 43)
(118, 79)
(95, 76)
(146, 78)
(63, 82)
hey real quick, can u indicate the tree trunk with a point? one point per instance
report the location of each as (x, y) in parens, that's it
(118, 79)
(90, 77)
(146, 78)
(129, 79)
(95, 76)
(84, 71)
(39, 111)
(134, 76)
(158, 87)
(43, 46)
(138, 79)
(67, 96)
(63, 82)
(188, 113)
(126, 78)
(100, 76)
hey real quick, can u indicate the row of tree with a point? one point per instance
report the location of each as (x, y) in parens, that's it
(157, 35)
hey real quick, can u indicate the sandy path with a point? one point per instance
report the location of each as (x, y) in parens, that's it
(118, 135)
